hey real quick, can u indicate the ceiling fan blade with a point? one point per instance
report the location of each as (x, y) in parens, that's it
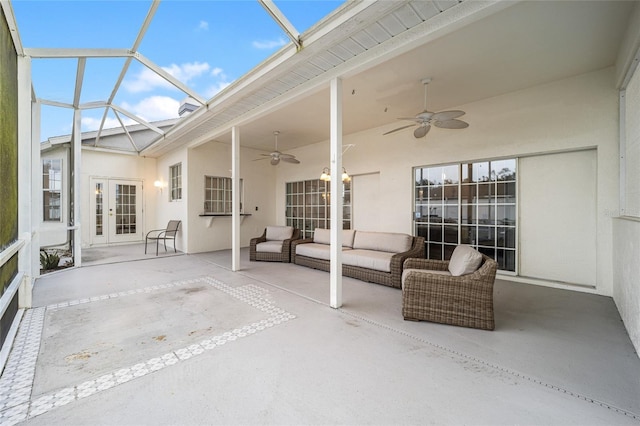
(447, 115)
(275, 161)
(290, 160)
(258, 159)
(421, 131)
(398, 129)
(451, 124)
(283, 155)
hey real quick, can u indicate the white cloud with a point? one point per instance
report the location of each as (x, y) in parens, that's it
(203, 26)
(217, 72)
(91, 123)
(216, 88)
(188, 71)
(269, 44)
(147, 80)
(154, 108)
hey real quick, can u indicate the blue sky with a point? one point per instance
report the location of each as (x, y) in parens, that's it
(206, 44)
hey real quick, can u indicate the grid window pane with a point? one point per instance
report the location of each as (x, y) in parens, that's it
(308, 205)
(469, 203)
(175, 182)
(52, 190)
(218, 194)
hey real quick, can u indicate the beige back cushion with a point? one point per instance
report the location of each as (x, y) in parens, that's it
(279, 233)
(382, 241)
(464, 260)
(323, 236)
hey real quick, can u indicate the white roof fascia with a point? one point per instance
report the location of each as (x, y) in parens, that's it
(109, 150)
(52, 53)
(13, 26)
(171, 79)
(282, 21)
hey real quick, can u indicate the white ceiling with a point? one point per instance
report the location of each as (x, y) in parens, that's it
(526, 44)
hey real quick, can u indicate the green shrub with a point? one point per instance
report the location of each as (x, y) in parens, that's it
(49, 260)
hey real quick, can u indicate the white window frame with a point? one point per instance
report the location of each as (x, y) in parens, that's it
(56, 189)
(217, 198)
(451, 212)
(175, 182)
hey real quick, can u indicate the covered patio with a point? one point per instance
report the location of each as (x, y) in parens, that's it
(184, 340)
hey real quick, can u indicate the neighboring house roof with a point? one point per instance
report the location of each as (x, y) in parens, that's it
(132, 139)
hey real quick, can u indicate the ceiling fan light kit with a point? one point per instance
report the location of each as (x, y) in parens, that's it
(425, 119)
(326, 175)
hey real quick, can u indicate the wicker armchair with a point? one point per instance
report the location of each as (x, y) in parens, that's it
(465, 300)
(284, 255)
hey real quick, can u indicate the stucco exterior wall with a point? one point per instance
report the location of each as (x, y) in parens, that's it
(166, 209)
(573, 114)
(214, 159)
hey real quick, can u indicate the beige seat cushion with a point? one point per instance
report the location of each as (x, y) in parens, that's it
(464, 260)
(279, 233)
(317, 251)
(270, 247)
(370, 259)
(323, 236)
(382, 241)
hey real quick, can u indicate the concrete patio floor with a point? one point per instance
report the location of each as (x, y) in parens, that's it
(183, 340)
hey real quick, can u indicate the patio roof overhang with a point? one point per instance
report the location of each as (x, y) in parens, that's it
(473, 50)
(356, 37)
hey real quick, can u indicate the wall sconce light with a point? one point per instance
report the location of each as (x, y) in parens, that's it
(158, 184)
(326, 175)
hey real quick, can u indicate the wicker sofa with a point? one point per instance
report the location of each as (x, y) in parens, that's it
(274, 245)
(376, 257)
(431, 293)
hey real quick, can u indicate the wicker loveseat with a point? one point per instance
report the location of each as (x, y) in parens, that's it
(431, 293)
(274, 245)
(376, 257)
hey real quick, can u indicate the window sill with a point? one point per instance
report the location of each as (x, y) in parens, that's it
(221, 214)
(211, 216)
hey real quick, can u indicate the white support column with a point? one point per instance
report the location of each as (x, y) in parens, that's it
(26, 183)
(336, 193)
(76, 146)
(36, 186)
(235, 199)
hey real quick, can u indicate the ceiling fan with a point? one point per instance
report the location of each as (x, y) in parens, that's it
(276, 155)
(424, 120)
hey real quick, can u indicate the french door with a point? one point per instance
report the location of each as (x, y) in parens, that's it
(116, 211)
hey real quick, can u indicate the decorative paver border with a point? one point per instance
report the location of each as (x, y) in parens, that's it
(16, 382)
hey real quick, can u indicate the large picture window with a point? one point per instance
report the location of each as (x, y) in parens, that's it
(217, 195)
(309, 202)
(51, 190)
(469, 203)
